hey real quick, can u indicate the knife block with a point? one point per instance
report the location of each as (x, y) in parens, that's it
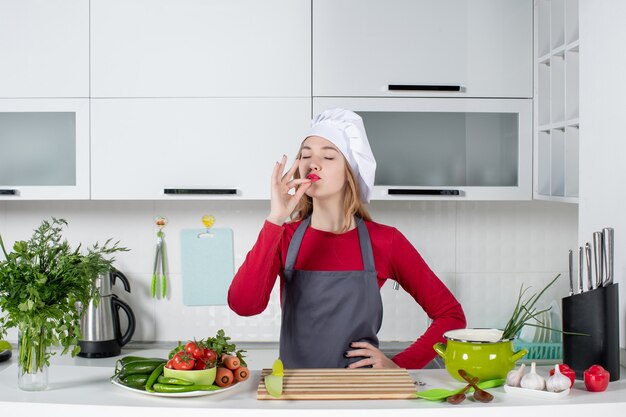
(595, 313)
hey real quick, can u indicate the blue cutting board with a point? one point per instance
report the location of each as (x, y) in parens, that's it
(207, 266)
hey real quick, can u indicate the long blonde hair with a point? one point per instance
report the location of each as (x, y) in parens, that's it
(352, 204)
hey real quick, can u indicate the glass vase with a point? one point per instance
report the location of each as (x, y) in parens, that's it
(32, 369)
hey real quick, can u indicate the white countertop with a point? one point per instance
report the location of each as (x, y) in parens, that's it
(82, 386)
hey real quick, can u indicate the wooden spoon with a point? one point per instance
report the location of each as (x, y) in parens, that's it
(460, 396)
(479, 394)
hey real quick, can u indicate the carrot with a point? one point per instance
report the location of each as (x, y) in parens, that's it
(231, 362)
(241, 373)
(224, 377)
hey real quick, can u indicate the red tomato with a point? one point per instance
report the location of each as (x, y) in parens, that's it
(596, 378)
(200, 365)
(567, 371)
(170, 364)
(209, 355)
(183, 362)
(193, 350)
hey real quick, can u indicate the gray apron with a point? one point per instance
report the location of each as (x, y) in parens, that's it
(324, 311)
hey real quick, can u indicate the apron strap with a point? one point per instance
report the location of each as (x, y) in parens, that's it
(366, 245)
(294, 245)
(364, 241)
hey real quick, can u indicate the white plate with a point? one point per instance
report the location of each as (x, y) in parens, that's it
(525, 392)
(174, 395)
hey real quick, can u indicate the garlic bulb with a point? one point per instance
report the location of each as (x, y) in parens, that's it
(533, 380)
(514, 377)
(557, 382)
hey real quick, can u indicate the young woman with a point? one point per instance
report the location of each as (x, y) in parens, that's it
(332, 258)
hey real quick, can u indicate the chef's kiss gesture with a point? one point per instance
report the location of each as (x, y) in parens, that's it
(332, 259)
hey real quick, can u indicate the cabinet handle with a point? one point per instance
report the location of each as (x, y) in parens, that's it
(8, 192)
(201, 191)
(402, 191)
(419, 87)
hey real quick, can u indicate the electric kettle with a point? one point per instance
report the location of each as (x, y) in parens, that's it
(100, 324)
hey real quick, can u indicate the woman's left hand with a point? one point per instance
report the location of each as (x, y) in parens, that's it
(373, 356)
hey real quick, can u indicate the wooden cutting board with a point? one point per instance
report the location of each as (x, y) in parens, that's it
(342, 384)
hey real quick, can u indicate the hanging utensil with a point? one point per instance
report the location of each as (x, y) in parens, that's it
(598, 255)
(159, 274)
(607, 245)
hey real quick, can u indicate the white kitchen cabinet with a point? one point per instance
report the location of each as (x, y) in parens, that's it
(44, 149)
(198, 148)
(446, 148)
(556, 129)
(200, 48)
(44, 48)
(444, 48)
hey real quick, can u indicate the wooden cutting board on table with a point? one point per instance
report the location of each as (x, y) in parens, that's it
(342, 384)
(207, 259)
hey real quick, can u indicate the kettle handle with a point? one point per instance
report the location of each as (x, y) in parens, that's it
(114, 273)
(116, 303)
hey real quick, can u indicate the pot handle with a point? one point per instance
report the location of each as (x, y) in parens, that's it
(518, 355)
(440, 348)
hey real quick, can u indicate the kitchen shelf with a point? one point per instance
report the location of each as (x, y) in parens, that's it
(556, 133)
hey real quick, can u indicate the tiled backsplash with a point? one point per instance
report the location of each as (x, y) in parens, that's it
(483, 251)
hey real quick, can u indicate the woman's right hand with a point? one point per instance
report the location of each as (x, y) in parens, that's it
(283, 203)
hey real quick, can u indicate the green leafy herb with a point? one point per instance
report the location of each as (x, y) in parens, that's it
(524, 311)
(41, 283)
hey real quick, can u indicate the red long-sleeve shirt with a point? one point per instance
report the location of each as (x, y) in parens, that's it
(394, 257)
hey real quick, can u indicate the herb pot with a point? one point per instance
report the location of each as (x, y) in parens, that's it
(479, 352)
(32, 368)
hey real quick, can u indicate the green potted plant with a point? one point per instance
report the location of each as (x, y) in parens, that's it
(41, 282)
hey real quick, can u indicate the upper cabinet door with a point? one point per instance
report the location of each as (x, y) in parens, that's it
(451, 48)
(44, 48)
(200, 48)
(44, 149)
(192, 148)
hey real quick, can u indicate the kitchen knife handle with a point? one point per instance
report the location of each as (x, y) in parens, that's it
(598, 254)
(403, 191)
(8, 192)
(200, 191)
(589, 268)
(571, 271)
(581, 268)
(423, 87)
(607, 246)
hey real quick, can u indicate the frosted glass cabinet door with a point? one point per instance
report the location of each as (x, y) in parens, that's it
(200, 48)
(44, 149)
(44, 48)
(452, 148)
(173, 149)
(360, 47)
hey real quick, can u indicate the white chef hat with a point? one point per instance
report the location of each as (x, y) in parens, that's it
(346, 131)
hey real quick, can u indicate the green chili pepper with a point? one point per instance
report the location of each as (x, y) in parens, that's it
(153, 377)
(173, 381)
(174, 389)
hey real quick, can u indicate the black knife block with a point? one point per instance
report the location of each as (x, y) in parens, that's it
(595, 313)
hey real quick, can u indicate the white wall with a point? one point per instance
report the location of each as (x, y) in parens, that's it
(483, 251)
(602, 139)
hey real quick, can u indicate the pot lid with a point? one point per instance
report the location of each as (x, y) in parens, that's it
(475, 335)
